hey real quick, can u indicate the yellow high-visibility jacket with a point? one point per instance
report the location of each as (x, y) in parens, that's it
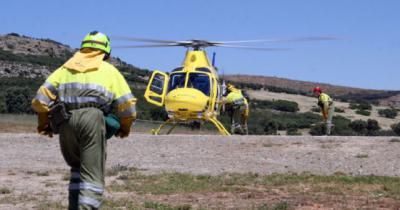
(97, 84)
(235, 97)
(324, 101)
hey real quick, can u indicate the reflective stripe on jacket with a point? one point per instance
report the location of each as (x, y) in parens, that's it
(103, 87)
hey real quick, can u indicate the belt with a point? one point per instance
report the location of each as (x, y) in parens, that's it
(71, 107)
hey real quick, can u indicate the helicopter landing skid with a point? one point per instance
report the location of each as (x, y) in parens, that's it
(217, 124)
(157, 131)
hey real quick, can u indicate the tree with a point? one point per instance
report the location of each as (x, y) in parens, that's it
(18, 100)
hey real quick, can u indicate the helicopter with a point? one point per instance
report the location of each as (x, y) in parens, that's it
(193, 92)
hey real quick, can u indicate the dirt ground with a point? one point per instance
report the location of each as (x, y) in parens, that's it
(32, 168)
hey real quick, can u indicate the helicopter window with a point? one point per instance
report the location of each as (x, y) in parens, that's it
(176, 81)
(203, 69)
(200, 82)
(157, 84)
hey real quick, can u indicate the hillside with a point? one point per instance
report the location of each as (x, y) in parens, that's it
(26, 57)
(384, 97)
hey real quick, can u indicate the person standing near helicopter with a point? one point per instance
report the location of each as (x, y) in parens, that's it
(238, 109)
(325, 102)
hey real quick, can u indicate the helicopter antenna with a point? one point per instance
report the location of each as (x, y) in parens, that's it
(213, 59)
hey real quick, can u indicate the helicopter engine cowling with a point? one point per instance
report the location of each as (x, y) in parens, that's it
(186, 103)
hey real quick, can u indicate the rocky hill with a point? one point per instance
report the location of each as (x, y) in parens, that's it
(26, 57)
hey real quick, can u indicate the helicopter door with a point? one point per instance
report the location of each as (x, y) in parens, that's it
(156, 88)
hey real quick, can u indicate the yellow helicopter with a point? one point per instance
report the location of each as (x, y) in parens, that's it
(193, 92)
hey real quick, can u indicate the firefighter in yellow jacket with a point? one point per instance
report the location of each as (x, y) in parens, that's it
(325, 102)
(88, 88)
(238, 108)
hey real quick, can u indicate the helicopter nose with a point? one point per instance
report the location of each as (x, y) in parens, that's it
(186, 100)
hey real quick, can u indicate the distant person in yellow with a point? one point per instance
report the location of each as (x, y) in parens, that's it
(325, 102)
(238, 109)
(75, 101)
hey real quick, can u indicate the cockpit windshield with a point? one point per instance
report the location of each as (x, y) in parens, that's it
(200, 82)
(176, 80)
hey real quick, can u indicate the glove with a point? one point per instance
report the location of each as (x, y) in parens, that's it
(125, 127)
(122, 133)
(44, 125)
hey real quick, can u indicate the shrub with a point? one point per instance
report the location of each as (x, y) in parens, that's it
(292, 130)
(361, 105)
(32, 59)
(13, 34)
(315, 109)
(363, 112)
(3, 107)
(372, 125)
(318, 130)
(339, 110)
(396, 128)
(267, 122)
(271, 128)
(359, 126)
(285, 106)
(388, 113)
(280, 105)
(341, 127)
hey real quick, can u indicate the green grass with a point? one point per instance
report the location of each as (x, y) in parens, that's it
(178, 183)
(178, 191)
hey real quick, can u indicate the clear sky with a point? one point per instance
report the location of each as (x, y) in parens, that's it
(367, 58)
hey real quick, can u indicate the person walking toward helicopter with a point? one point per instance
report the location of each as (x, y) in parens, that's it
(325, 102)
(86, 100)
(238, 109)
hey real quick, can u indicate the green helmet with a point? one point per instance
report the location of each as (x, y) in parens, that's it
(97, 40)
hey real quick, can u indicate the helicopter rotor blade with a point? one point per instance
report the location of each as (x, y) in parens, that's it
(251, 48)
(301, 39)
(135, 39)
(146, 46)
